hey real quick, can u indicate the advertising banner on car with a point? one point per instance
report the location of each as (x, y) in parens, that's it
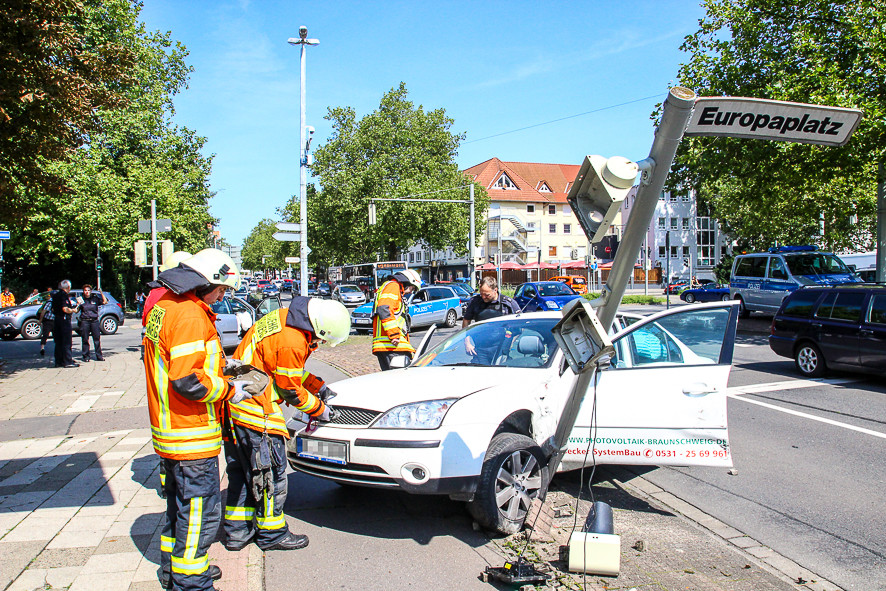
(644, 447)
(772, 120)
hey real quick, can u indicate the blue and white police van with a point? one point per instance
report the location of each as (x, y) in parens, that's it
(433, 304)
(761, 280)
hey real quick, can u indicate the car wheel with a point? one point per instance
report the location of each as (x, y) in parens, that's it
(450, 319)
(514, 472)
(809, 360)
(725, 297)
(690, 298)
(32, 329)
(743, 312)
(109, 324)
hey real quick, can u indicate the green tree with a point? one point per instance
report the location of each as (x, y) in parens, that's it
(398, 150)
(819, 51)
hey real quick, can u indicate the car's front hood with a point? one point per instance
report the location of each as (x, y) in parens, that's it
(20, 308)
(385, 390)
(833, 279)
(559, 300)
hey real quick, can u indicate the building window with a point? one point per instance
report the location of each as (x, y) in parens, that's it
(684, 197)
(673, 198)
(567, 210)
(552, 209)
(505, 182)
(544, 188)
(673, 252)
(552, 251)
(661, 223)
(661, 252)
(663, 196)
(705, 239)
(530, 208)
(567, 228)
(685, 223)
(685, 251)
(411, 257)
(419, 256)
(552, 228)
(673, 223)
(530, 226)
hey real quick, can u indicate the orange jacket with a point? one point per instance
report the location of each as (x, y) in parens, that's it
(280, 351)
(389, 320)
(7, 299)
(183, 367)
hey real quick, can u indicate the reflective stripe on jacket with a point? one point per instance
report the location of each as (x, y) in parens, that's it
(389, 320)
(183, 368)
(280, 351)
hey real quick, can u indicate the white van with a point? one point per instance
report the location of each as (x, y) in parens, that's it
(760, 281)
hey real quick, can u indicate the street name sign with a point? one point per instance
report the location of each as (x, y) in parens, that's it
(772, 120)
(291, 260)
(287, 237)
(4, 234)
(288, 227)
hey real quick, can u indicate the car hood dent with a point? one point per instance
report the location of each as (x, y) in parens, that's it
(384, 390)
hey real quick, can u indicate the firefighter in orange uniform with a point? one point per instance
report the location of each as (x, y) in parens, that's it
(184, 364)
(390, 339)
(255, 449)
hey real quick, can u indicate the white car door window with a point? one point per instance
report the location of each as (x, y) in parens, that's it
(662, 401)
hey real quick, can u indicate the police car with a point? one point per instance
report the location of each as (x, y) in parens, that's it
(435, 304)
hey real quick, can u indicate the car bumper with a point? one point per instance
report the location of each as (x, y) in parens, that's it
(416, 461)
(7, 327)
(782, 346)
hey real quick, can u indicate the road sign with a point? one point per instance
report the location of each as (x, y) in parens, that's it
(288, 227)
(772, 120)
(4, 234)
(164, 225)
(287, 236)
(291, 260)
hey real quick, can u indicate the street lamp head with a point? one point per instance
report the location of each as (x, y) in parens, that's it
(303, 32)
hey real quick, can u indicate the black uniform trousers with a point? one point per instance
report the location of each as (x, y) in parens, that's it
(246, 516)
(190, 526)
(90, 327)
(61, 336)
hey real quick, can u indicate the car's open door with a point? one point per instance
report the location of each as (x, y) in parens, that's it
(662, 401)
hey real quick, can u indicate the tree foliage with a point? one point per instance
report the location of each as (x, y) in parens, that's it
(133, 156)
(821, 52)
(398, 150)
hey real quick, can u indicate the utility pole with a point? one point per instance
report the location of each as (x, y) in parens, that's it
(154, 236)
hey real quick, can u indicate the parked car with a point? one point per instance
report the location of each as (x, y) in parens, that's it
(235, 315)
(324, 290)
(287, 285)
(270, 291)
(543, 295)
(22, 319)
(110, 315)
(710, 292)
(435, 304)
(261, 284)
(463, 292)
(349, 294)
(481, 432)
(839, 327)
(760, 281)
(578, 283)
(675, 287)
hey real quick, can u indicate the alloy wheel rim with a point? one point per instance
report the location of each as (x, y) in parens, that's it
(518, 482)
(807, 359)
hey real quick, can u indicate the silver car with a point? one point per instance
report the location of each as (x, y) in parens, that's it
(234, 316)
(348, 294)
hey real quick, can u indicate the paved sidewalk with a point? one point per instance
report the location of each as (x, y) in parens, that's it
(81, 510)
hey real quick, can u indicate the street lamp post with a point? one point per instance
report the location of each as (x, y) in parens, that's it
(303, 159)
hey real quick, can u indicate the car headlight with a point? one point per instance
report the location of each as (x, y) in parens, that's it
(12, 314)
(552, 305)
(416, 415)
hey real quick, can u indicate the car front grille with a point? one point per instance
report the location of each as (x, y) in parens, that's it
(360, 315)
(357, 417)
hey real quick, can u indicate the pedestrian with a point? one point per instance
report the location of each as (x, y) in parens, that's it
(46, 318)
(7, 299)
(62, 306)
(279, 344)
(184, 365)
(34, 293)
(488, 303)
(390, 339)
(89, 324)
(139, 301)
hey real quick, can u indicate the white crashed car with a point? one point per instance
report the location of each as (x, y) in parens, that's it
(478, 428)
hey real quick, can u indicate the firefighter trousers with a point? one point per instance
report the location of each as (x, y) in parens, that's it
(193, 516)
(246, 516)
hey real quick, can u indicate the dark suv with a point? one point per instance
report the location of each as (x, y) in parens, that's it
(837, 327)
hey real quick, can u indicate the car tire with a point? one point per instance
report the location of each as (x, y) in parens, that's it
(809, 360)
(514, 472)
(451, 318)
(32, 329)
(725, 297)
(743, 312)
(108, 324)
(690, 298)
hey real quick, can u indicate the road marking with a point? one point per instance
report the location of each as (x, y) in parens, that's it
(739, 391)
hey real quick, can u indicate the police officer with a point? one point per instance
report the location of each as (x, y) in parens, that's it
(89, 324)
(390, 339)
(488, 303)
(62, 308)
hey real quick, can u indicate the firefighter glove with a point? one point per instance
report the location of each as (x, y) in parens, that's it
(326, 393)
(240, 391)
(329, 414)
(231, 366)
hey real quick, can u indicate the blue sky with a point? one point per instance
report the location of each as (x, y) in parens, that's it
(495, 67)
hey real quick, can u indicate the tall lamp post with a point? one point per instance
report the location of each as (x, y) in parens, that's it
(303, 159)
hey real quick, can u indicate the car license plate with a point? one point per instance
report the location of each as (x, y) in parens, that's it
(361, 320)
(334, 452)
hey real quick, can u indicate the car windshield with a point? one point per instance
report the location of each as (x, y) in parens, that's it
(460, 289)
(554, 289)
(518, 342)
(37, 298)
(815, 263)
(349, 289)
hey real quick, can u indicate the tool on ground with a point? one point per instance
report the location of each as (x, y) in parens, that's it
(519, 571)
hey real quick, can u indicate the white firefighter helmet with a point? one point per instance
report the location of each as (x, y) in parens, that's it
(174, 259)
(408, 276)
(217, 267)
(330, 320)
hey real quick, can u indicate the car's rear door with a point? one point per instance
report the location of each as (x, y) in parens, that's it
(873, 334)
(663, 399)
(837, 322)
(421, 309)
